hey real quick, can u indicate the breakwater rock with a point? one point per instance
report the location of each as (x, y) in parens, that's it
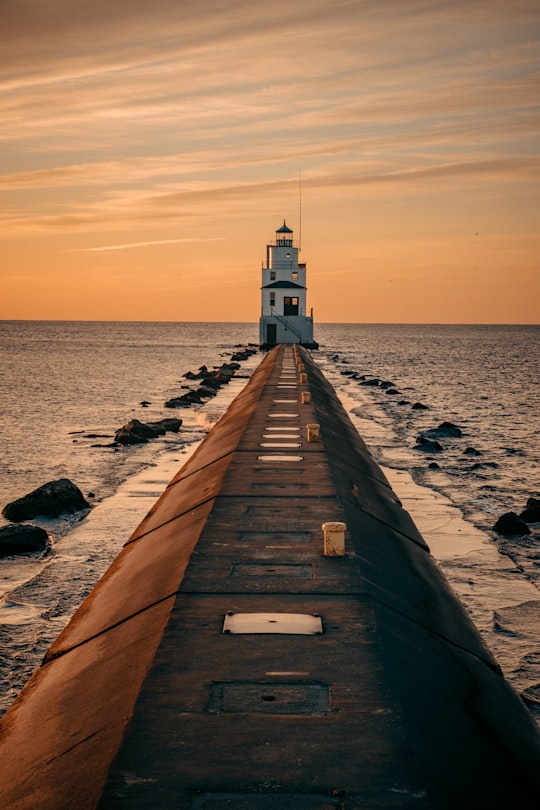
(510, 525)
(136, 432)
(428, 445)
(55, 498)
(532, 513)
(17, 538)
(444, 429)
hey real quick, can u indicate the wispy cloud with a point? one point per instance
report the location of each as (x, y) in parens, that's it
(131, 245)
(130, 125)
(183, 203)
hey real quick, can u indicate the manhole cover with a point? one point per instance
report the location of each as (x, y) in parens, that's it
(287, 485)
(298, 570)
(275, 537)
(269, 698)
(264, 801)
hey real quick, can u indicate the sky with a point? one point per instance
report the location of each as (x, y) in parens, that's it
(149, 151)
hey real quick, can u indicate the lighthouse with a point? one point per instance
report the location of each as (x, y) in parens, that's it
(284, 317)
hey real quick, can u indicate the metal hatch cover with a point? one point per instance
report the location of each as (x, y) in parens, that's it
(296, 624)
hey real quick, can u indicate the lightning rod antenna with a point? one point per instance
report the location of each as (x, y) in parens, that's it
(300, 209)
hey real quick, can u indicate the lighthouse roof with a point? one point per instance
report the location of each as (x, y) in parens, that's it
(281, 284)
(284, 228)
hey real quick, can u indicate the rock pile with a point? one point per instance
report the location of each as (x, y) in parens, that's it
(243, 354)
(210, 382)
(53, 499)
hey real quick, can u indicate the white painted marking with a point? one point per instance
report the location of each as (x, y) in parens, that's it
(280, 444)
(297, 624)
(285, 427)
(280, 458)
(292, 672)
(280, 436)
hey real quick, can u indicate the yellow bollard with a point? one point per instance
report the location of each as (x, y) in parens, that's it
(313, 433)
(306, 397)
(303, 378)
(334, 539)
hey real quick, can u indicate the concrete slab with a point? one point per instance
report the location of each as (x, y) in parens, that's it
(145, 702)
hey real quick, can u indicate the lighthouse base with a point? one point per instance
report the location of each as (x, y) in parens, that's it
(274, 329)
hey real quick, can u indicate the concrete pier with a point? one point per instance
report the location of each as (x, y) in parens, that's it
(226, 661)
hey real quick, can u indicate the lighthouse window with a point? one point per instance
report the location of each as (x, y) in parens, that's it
(272, 275)
(290, 306)
(294, 275)
(272, 299)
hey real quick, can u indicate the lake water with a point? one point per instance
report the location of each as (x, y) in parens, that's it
(67, 386)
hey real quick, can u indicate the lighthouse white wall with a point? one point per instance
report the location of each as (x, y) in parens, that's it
(287, 330)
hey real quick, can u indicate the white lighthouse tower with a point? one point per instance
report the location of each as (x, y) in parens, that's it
(284, 317)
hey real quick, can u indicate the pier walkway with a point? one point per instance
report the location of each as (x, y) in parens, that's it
(225, 663)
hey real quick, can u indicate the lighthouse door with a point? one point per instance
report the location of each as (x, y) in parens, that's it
(271, 334)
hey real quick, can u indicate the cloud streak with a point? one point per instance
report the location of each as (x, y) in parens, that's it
(152, 243)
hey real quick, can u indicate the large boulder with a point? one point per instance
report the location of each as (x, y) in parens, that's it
(225, 372)
(206, 391)
(19, 538)
(168, 425)
(428, 445)
(444, 429)
(61, 497)
(136, 432)
(510, 525)
(532, 513)
(211, 381)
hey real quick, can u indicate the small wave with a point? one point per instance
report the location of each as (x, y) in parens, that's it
(17, 613)
(521, 623)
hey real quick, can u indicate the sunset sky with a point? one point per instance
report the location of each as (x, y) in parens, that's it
(149, 150)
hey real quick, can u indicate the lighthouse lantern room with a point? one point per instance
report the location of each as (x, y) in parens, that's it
(284, 317)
